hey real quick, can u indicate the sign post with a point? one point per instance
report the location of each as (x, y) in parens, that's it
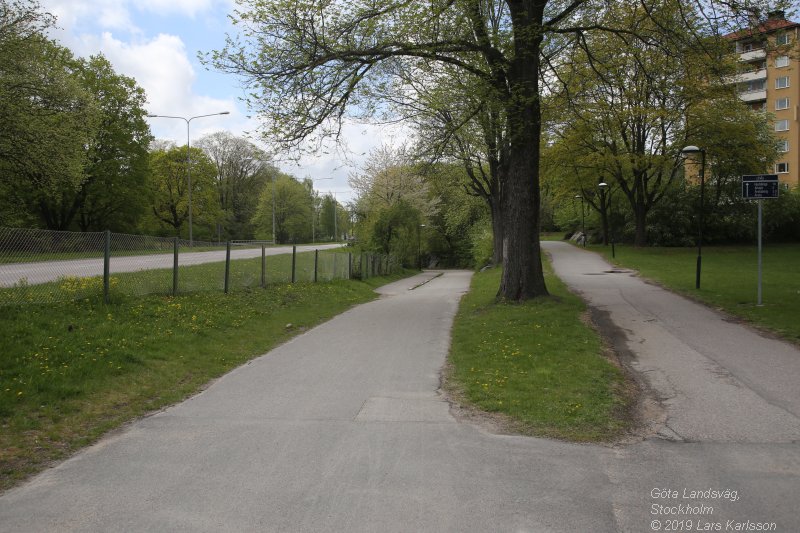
(758, 187)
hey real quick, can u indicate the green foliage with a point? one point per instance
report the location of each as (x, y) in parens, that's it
(112, 194)
(395, 230)
(168, 190)
(482, 244)
(333, 219)
(292, 204)
(74, 139)
(625, 117)
(48, 118)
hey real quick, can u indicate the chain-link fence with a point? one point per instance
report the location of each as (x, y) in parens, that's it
(40, 266)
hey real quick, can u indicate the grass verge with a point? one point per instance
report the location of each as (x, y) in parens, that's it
(537, 362)
(71, 371)
(728, 281)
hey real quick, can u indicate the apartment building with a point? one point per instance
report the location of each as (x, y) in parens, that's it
(770, 82)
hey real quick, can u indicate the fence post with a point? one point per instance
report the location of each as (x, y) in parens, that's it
(107, 266)
(227, 264)
(294, 262)
(349, 265)
(316, 262)
(175, 267)
(263, 266)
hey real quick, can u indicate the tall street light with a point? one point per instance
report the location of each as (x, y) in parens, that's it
(419, 246)
(314, 205)
(188, 159)
(695, 150)
(583, 220)
(335, 228)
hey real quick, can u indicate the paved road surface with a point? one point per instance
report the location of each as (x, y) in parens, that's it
(342, 429)
(45, 271)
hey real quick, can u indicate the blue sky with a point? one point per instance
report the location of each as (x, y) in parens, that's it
(157, 42)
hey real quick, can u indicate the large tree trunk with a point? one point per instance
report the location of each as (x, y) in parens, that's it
(523, 277)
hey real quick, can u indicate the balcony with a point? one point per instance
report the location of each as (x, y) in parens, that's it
(753, 75)
(753, 96)
(753, 55)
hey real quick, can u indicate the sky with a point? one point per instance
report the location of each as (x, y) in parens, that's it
(157, 42)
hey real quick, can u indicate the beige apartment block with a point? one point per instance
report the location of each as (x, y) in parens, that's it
(770, 82)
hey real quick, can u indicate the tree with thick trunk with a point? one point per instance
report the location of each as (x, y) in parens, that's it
(310, 66)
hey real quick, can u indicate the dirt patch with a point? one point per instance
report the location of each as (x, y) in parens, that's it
(644, 412)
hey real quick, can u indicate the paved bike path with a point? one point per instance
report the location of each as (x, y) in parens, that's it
(342, 429)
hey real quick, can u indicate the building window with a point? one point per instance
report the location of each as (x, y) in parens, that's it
(781, 103)
(782, 39)
(783, 145)
(781, 125)
(781, 168)
(782, 82)
(759, 106)
(782, 61)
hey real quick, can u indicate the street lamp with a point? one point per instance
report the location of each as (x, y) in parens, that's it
(188, 158)
(314, 206)
(583, 220)
(607, 229)
(694, 150)
(419, 246)
(335, 228)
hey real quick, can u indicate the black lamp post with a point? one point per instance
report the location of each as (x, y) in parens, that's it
(607, 232)
(583, 220)
(419, 246)
(694, 150)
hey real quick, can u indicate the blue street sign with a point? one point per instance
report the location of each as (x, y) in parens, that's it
(760, 186)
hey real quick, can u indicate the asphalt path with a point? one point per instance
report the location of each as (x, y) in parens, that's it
(343, 429)
(46, 271)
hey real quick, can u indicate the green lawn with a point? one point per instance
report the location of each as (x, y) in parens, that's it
(244, 274)
(729, 279)
(71, 371)
(537, 362)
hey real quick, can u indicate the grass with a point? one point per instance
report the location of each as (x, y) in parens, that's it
(537, 362)
(244, 274)
(729, 279)
(71, 371)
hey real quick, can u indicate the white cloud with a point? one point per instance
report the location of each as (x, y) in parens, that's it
(183, 7)
(165, 68)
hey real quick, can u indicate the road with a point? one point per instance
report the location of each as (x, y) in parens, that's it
(343, 429)
(46, 271)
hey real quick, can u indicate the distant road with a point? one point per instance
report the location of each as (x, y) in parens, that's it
(46, 271)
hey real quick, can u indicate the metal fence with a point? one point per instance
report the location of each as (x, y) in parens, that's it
(41, 266)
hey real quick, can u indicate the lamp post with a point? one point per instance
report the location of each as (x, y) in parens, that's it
(583, 220)
(314, 206)
(695, 150)
(419, 246)
(335, 228)
(188, 159)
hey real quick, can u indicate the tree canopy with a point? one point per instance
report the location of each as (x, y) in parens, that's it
(308, 66)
